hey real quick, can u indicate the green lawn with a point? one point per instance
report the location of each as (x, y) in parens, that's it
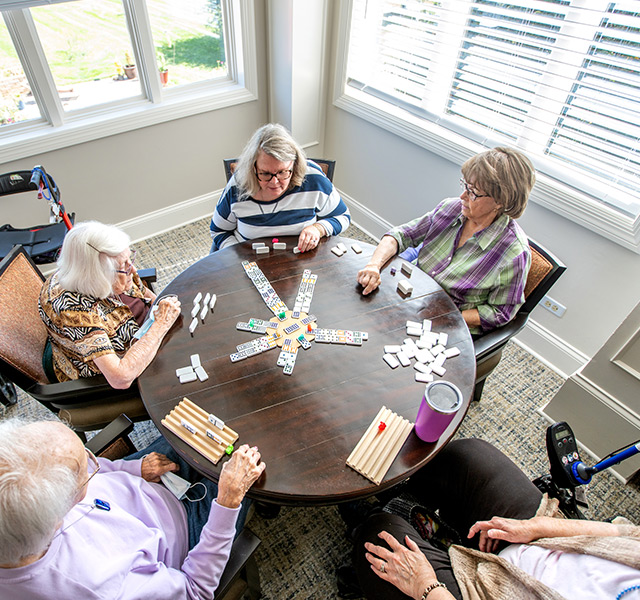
(85, 40)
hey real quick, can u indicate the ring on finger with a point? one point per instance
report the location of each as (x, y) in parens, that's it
(383, 567)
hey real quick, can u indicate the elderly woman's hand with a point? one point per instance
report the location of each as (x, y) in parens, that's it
(238, 475)
(405, 567)
(167, 312)
(309, 238)
(154, 465)
(369, 278)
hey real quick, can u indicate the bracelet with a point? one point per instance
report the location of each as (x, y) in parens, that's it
(432, 587)
(321, 229)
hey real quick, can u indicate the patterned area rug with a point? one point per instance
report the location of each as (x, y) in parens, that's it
(302, 547)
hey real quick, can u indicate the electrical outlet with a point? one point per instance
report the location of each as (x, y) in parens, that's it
(552, 306)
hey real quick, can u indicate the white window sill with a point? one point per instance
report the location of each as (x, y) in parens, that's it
(133, 115)
(548, 192)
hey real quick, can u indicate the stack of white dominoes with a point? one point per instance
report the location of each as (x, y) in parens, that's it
(192, 372)
(429, 350)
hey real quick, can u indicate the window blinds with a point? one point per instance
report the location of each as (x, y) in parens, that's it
(558, 78)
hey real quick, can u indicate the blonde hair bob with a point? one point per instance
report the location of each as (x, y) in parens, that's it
(272, 139)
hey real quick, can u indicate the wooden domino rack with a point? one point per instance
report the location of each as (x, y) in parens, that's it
(377, 449)
(199, 419)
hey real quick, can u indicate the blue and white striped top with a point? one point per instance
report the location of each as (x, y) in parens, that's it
(315, 201)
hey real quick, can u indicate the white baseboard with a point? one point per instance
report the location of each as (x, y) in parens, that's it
(371, 223)
(174, 216)
(550, 349)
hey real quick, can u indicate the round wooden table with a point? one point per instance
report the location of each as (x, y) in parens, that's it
(305, 424)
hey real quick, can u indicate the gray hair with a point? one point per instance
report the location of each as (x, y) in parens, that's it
(272, 139)
(505, 174)
(87, 262)
(35, 491)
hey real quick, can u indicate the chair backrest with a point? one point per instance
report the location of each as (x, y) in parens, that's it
(22, 332)
(328, 166)
(544, 272)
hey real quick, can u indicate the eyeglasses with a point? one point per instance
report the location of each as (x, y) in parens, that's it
(91, 457)
(265, 176)
(129, 264)
(472, 195)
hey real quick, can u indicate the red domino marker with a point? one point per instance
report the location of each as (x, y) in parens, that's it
(309, 328)
(275, 240)
(382, 426)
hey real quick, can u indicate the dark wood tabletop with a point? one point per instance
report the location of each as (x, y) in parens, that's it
(306, 424)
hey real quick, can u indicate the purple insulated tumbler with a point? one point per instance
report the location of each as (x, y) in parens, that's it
(439, 405)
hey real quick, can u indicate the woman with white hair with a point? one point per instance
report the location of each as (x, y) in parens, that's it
(76, 526)
(275, 190)
(93, 306)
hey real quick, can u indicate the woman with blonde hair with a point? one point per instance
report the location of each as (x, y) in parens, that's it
(275, 190)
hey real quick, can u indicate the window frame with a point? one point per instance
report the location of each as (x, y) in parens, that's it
(56, 130)
(455, 146)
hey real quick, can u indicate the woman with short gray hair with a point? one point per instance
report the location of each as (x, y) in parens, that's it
(275, 190)
(471, 245)
(93, 307)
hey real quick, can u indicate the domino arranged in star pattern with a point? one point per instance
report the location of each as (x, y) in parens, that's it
(264, 287)
(305, 292)
(297, 323)
(287, 358)
(429, 349)
(340, 336)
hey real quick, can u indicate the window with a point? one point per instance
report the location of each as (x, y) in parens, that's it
(75, 70)
(559, 79)
(189, 41)
(84, 44)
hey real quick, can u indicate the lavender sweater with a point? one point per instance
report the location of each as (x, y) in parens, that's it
(138, 549)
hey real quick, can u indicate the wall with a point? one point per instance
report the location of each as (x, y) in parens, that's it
(130, 175)
(393, 180)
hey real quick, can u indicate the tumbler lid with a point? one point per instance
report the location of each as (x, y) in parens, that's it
(443, 396)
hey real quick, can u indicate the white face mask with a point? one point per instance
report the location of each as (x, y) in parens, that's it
(179, 487)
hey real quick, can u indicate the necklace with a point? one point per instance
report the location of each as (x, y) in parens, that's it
(97, 503)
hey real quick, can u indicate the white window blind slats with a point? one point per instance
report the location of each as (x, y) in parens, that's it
(560, 78)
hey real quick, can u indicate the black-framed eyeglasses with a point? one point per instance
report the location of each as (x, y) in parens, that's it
(472, 195)
(128, 266)
(265, 176)
(91, 457)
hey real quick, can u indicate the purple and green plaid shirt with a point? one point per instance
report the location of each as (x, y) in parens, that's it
(487, 272)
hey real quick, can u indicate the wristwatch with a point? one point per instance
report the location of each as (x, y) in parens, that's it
(432, 587)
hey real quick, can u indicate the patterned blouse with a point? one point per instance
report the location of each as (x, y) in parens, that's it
(82, 328)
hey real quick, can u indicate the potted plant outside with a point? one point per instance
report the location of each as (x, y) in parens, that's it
(163, 69)
(129, 67)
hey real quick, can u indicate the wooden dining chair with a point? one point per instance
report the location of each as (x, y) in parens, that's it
(86, 404)
(544, 272)
(328, 166)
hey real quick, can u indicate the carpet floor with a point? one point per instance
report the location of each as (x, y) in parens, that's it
(302, 547)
